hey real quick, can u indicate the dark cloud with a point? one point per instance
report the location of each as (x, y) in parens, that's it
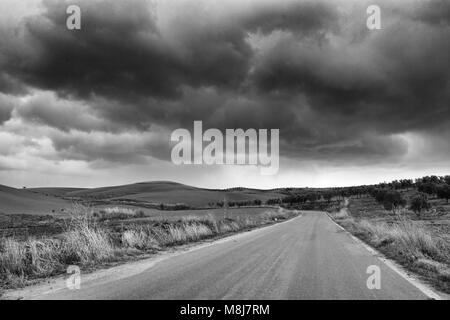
(11, 86)
(47, 109)
(434, 12)
(303, 18)
(6, 106)
(121, 54)
(311, 68)
(388, 83)
(127, 148)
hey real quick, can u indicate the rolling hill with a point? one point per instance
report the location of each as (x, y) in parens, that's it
(50, 200)
(172, 193)
(22, 201)
(56, 192)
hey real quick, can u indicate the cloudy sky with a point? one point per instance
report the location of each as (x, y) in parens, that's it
(96, 106)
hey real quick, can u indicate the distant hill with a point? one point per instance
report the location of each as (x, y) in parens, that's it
(171, 193)
(56, 192)
(26, 201)
(50, 200)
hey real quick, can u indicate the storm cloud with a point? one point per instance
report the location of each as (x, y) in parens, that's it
(339, 92)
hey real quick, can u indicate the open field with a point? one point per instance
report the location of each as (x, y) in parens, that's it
(25, 225)
(56, 192)
(23, 201)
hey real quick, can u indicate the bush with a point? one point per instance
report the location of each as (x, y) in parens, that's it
(420, 203)
(443, 191)
(427, 187)
(393, 200)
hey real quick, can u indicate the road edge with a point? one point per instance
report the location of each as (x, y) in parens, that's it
(424, 288)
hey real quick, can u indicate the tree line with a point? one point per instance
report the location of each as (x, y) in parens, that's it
(386, 193)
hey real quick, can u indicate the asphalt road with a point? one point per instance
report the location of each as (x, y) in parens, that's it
(308, 257)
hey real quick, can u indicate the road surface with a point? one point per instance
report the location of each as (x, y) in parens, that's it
(308, 257)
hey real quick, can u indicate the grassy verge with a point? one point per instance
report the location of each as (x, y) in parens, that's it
(87, 243)
(407, 242)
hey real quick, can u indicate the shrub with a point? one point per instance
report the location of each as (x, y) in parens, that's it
(393, 200)
(139, 239)
(427, 187)
(420, 203)
(85, 243)
(443, 191)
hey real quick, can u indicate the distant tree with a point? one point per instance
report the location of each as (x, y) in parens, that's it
(431, 179)
(427, 187)
(273, 201)
(312, 197)
(393, 200)
(420, 203)
(443, 192)
(447, 179)
(395, 184)
(328, 196)
(257, 202)
(406, 183)
(378, 194)
(344, 193)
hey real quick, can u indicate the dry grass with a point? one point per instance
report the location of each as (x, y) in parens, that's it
(87, 242)
(112, 213)
(407, 237)
(140, 238)
(408, 242)
(83, 243)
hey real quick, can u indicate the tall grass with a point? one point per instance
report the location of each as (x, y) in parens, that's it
(407, 242)
(86, 242)
(140, 238)
(113, 213)
(82, 243)
(406, 237)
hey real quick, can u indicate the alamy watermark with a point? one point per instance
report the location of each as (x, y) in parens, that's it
(374, 280)
(249, 147)
(373, 21)
(74, 280)
(73, 21)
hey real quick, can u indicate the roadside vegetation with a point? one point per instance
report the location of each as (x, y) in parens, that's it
(87, 241)
(401, 235)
